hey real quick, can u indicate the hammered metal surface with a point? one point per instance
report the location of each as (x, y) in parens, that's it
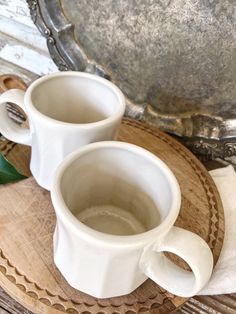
(176, 55)
(175, 61)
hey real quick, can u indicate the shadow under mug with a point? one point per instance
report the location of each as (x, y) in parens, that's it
(66, 110)
(116, 204)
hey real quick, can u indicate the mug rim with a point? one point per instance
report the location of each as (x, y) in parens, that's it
(63, 212)
(110, 119)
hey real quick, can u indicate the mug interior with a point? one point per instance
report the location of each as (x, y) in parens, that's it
(116, 191)
(75, 99)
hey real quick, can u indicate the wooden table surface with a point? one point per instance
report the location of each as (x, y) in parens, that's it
(222, 304)
(225, 304)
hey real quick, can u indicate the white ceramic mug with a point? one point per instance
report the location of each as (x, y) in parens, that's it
(116, 204)
(65, 111)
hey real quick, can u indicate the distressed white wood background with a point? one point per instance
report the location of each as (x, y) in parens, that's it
(21, 44)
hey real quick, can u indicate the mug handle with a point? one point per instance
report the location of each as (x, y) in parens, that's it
(192, 249)
(8, 127)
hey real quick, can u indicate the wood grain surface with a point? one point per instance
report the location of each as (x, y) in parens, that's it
(27, 219)
(221, 304)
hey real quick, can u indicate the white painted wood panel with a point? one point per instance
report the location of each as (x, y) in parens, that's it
(9, 68)
(20, 41)
(16, 10)
(25, 56)
(27, 35)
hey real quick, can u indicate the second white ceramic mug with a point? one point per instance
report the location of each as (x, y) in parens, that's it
(116, 204)
(65, 110)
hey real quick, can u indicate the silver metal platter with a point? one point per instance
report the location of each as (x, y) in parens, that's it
(174, 60)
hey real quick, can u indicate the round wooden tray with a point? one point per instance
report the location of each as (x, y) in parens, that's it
(27, 219)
